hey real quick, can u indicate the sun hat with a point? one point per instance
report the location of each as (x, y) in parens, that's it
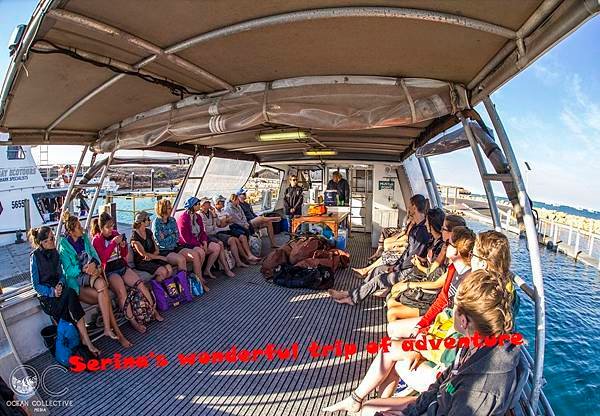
(190, 202)
(141, 216)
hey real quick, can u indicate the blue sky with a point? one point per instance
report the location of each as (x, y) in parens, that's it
(551, 112)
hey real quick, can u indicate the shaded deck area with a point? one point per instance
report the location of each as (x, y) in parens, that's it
(248, 312)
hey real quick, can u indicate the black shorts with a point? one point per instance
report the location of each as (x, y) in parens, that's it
(150, 266)
(177, 249)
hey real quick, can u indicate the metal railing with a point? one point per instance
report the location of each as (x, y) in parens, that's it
(577, 242)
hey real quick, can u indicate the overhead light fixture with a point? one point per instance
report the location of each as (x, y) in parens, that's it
(320, 152)
(281, 135)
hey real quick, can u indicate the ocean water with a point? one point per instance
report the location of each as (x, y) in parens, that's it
(572, 358)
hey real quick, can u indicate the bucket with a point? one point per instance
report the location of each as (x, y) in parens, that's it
(284, 224)
(49, 336)
(340, 242)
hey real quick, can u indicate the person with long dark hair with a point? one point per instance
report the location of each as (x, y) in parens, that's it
(56, 298)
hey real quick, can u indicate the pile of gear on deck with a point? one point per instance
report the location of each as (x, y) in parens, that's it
(307, 261)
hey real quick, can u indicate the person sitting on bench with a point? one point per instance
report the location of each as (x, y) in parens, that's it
(258, 221)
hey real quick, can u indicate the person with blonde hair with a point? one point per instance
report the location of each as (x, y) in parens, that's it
(480, 381)
(48, 280)
(81, 266)
(166, 234)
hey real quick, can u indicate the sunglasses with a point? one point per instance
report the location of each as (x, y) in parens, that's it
(472, 254)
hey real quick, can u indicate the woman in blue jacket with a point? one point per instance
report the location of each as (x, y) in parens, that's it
(56, 299)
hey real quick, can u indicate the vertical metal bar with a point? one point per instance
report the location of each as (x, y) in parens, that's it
(576, 242)
(591, 245)
(183, 184)
(570, 239)
(489, 192)
(70, 190)
(534, 252)
(436, 191)
(427, 182)
(88, 221)
(27, 214)
(508, 215)
(210, 158)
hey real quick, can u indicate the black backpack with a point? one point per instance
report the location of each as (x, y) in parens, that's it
(319, 278)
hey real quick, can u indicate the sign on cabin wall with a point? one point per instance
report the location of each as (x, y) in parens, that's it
(386, 185)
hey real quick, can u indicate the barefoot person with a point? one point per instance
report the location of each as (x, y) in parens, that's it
(223, 240)
(56, 299)
(237, 232)
(258, 221)
(418, 243)
(192, 234)
(112, 250)
(81, 266)
(166, 234)
(481, 379)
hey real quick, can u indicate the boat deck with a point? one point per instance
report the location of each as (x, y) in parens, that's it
(248, 312)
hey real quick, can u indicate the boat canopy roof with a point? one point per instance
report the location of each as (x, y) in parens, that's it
(372, 80)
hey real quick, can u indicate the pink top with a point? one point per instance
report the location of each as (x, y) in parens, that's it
(186, 236)
(107, 252)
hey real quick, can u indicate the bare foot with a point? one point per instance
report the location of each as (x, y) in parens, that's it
(345, 301)
(125, 342)
(109, 333)
(95, 351)
(362, 272)
(346, 405)
(254, 259)
(242, 265)
(337, 294)
(158, 316)
(205, 287)
(209, 275)
(137, 326)
(230, 273)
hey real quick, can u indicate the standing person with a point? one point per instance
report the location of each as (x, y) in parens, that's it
(293, 199)
(237, 233)
(112, 252)
(192, 234)
(418, 243)
(56, 299)
(258, 221)
(166, 234)
(211, 226)
(339, 184)
(81, 266)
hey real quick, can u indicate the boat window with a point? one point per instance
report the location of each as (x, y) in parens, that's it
(224, 177)
(263, 188)
(15, 153)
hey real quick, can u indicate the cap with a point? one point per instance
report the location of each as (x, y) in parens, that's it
(204, 200)
(190, 202)
(141, 216)
(241, 192)
(220, 198)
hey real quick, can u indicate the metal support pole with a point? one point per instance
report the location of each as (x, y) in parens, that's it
(183, 184)
(576, 242)
(427, 179)
(434, 185)
(27, 214)
(570, 239)
(88, 221)
(508, 215)
(489, 192)
(152, 180)
(132, 180)
(70, 190)
(534, 253)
